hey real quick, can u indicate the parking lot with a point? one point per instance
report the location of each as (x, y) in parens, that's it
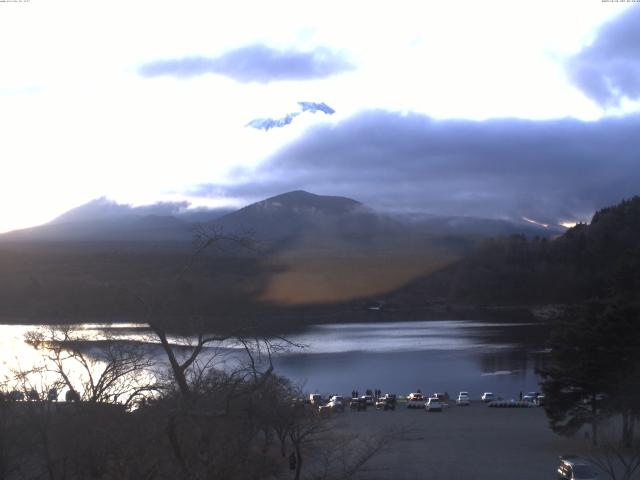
(474, 442)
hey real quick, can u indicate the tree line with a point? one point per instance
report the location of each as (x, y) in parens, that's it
(592, 378)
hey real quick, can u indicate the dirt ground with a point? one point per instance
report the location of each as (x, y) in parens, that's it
(474, 442)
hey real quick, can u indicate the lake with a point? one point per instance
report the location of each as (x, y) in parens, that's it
(399, 357)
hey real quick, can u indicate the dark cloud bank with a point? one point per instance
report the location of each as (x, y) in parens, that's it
(255, 63)
(609, 69)
(547, 170)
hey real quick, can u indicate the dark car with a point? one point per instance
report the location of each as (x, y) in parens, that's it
(386, 403)
(392, 397)
(575, 468)
(358, 404)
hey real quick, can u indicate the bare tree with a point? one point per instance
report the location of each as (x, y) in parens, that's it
(35, 417)
(344, 455)
(10, 446)
(102, 371)
(304, 431)
(620, 460)
(329, 453)
(193, 345)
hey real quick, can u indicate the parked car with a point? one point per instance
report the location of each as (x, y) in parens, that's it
(488, 397)
(531, 397)
(575, 468)
(368, 400)
(386, 403)
(415, 400)
(539, 401)
(463, 399)
(442, 397)
(325, 410)
(336, 403)
(433, 405)
(358, 404)
(335, 406)
(315, 399)
(391, 398)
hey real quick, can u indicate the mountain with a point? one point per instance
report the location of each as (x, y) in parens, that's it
(304, 202)
(301, 213)
(589, 261)
(473, 227)
(288, 213)
(320, 221)
(329, 249)
(303, 222)
(311, 251)
(130, 228)
(103, 220)
(102, 209)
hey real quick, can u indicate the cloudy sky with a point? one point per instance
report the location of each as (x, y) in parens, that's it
(498, 108)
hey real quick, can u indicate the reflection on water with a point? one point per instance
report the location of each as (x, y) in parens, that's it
(407, 336)
(433, 356)
(399, 356)
(15, 354)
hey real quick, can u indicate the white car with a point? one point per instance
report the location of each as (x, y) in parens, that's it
(531, 397)
(463, 399)
(488, 397)
(433, 405)
(336, 403)
(335, 406)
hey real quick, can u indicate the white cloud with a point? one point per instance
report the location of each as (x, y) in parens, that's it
(78, 122)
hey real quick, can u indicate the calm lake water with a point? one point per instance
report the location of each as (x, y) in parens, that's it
(397, 357)
(442, 356)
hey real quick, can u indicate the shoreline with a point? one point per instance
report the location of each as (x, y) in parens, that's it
(296, 320)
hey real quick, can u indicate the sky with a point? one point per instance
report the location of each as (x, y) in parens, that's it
(500, 108)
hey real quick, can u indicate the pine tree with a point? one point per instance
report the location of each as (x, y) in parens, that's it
(594, 369)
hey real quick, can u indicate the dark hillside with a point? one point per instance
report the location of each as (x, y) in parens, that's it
(314, 255)
(595, 260)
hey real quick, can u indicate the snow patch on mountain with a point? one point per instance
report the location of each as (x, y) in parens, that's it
(268, 123)
(316, 107)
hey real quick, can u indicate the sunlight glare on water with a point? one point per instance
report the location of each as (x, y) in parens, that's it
(396, 336)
